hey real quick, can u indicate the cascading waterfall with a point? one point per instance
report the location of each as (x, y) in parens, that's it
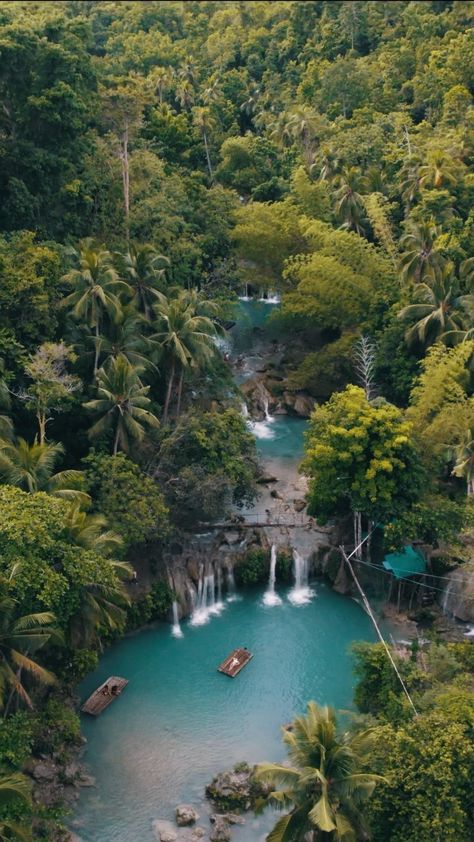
(244, 410)
(176, 630)
(446, 596)
(300, 593)
(270, 597)
(268, 417)
(206, 604)
(231, 595)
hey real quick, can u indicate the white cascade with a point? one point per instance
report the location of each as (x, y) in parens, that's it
(268, 417)
(244, 410)
(231, 595)
(176, 630)
(245, 296)
(300, 593)
(270, 596)
(206, 604)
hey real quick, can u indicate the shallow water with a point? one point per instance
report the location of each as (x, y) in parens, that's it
(179, 721)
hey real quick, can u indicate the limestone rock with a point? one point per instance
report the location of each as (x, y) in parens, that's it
(266, 479)
(304, 405)
(86, 780)
(234, 790)
(299, 505)
(232, 537)
(220, 830)
(186, 815)
(44, 772)
(164, 831)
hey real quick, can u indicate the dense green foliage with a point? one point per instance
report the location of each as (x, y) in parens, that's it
(154, 158)
(432, 797)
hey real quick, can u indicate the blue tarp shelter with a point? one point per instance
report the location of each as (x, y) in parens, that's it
(407, 562)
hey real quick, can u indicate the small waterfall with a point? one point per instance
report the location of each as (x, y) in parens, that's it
(246, 296)
(231, 595)
(176, 630)
(268, 417)
(244, 410)
(300, 593)
(446, 596)
(270, 597)
(206, 604)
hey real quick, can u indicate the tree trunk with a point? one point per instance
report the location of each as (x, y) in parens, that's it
(126, 181)
(470, 486)
(209, 165)
(168, 393)
(180, 391)
(41, 416)
(97, 350)
(116, 439)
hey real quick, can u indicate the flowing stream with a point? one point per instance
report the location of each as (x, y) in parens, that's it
(179, 721)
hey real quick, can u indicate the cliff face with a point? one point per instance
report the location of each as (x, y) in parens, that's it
(458, 597)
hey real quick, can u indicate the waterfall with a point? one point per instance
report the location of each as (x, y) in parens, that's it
(246, 296)
(176, 630)
(446, 595)
(206, 604)
(271, 598)
(231, 596)
(244, 410)
(268, 417)
(300, 593)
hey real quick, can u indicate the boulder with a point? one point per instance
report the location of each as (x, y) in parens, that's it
(164, 831)
(186, 815)
(266, 479)
(44, 772)
(220, 830)
(86, 780)
(232, 537)
(304, 405)
(234, 790)
(299, 505)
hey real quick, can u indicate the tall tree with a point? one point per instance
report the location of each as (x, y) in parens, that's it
(326, 786)
(438, 308)
(96, 286)
(144, 270)
(420, 257)
(187, 340)
(122, 404)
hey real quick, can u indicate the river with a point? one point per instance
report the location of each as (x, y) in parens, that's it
(179, 721)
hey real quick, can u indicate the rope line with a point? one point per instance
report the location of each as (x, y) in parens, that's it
(374, 621)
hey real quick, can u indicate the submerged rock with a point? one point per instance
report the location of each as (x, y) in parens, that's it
(220, 830)
(185, 815)
(166, 831)
(234, 790)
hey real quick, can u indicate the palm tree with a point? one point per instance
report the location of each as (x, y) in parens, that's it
(439, 309)
(124, 335)
(187, 339)
(161, 77)
(100, 606)
(20, 637)
(325, 788)
(410, 180)
(464, 456)
(31, 468)
(203, 120)
(122, 403)
(13, 788)
(96, 287)
(438, 171)
(143, 268)
(90, 532)
(349, 202)
(420, 257)
(185, 94)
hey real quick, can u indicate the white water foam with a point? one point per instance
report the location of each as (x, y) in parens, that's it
(270, 597)
(300, 593)
(176, 630)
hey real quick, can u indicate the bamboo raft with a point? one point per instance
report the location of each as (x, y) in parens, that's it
(234, 662)
(101, 699)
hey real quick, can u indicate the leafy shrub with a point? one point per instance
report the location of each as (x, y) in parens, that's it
(16, 740)
(253, 567)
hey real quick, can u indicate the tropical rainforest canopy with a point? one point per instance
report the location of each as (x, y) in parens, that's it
(155, 158)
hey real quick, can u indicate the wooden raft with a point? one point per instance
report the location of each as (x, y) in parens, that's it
(99, 700)
(234, 662)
